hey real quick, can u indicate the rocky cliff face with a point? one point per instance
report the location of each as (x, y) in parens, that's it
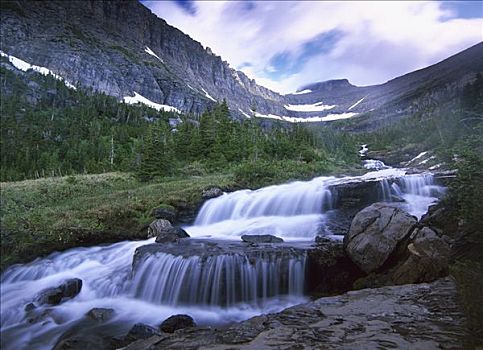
(121, 48)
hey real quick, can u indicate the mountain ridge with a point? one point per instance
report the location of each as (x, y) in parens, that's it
(125, 50)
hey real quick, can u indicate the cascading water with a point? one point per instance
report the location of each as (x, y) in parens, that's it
(418, 191)
(292, 211)
(213, 288)
(219, 280)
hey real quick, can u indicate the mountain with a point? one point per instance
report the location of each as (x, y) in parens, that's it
(122, 49)
(439, 85)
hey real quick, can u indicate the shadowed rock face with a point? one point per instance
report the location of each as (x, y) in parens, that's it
(424, 316)
(103, 44)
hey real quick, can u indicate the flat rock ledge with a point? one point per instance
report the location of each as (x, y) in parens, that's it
(414, 316)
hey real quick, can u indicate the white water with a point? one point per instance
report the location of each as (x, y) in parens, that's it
(219, 280)
(105, 272)
(213, 290)
(295, 211)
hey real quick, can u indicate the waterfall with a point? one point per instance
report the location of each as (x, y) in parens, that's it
(418, 191)
(297, 198)
(223, 280)
(385, 190)
(292, 211)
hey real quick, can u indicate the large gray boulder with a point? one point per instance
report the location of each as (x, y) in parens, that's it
(375, 234)
(165, 232)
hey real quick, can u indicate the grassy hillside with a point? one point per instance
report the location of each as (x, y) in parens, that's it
(44, 215)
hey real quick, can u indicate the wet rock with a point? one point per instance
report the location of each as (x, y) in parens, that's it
(428, 259)
(211, 192)
(261, 239)
(54, 296)
(84, 341)
(100, 314)
(375, 233)
(172, 234)
(71, 287)
(176, 322)
(142, 331)
(425, 316)
(166, 213)
(51, 296)
(158, 226)
(29, 307)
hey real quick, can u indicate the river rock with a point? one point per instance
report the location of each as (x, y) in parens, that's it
(428, 259)
(100, 314)
(141, 331)
(175, 322)
(54, 296)
(211, 192)
(158, 226)
(165, 213)
(261, 239)
(172, 234)
(375, 233)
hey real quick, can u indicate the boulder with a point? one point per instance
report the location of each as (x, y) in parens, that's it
(158, 226)
(175, 322)
(100, 314)
(211, 192)
(428, 259)
(172, 234)
(261, 239)
(141, 331)
(375, 233)
(165, 212)
(54, 296)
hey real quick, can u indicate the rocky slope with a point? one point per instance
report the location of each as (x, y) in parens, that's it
(431, 87)
(122, 49)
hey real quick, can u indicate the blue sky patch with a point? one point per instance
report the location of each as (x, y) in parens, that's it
(464, 9)
(287, 63)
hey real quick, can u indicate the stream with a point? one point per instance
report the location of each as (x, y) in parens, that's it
(215, 286)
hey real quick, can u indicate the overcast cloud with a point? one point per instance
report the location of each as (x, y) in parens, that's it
(284, 45)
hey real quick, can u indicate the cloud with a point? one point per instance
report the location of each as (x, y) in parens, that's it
(287, 44)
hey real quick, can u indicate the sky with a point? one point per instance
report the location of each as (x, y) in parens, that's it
(285, 45)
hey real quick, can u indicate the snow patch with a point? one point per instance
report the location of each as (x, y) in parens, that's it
(316, 107)
(208, 95)
(422, 154)
(306, 91)
(237, 78)
(435, 166)
(426, 160)
(355, 104)
(25, 66)
(151, 52)
(327, 118)
(137, 98)
(245, 114)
